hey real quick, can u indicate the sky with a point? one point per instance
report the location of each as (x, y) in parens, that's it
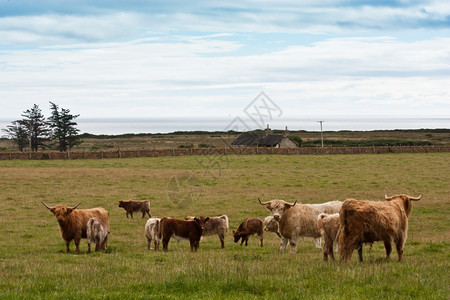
(200, 60)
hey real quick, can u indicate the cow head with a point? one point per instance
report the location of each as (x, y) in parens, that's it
(121, 203)
(270, 224)
(237, 236)
(404, 199)
(201, 221)
(61, 212)
(277, 207)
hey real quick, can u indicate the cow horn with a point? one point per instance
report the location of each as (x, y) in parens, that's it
(416, 198)
(46, 205)
(262, 203)
(386, 197)
(294, 203)
(75, 206)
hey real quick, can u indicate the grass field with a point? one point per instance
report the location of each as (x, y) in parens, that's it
(33, 264)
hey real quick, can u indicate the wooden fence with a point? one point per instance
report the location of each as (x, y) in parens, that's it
(125, 153)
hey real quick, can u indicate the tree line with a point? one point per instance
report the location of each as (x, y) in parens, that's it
(35, 131)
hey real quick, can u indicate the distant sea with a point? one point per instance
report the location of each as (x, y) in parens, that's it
(112, 126)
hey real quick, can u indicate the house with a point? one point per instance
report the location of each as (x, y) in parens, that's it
(266, 139)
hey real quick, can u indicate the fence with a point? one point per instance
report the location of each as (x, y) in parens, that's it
(125, 153)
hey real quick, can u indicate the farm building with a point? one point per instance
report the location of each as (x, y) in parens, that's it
(266, 139)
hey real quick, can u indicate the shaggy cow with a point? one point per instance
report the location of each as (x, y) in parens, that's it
(191, 230)
(270, 224)
(151, 232)
(131, 206)
(73, 222)
(97, 232)
(297, 220)
(369, 221)
(215, 225)
(247, 228)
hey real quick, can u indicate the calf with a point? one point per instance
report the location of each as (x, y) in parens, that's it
(328, 226)
(247, 228)
(131, 206)
(215, 225)
(97, 232)
(151, 232)
(270, 224)
(191, 230)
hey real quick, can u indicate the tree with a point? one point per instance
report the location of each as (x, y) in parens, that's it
(36, 126)
(18, 132)
(63, 127)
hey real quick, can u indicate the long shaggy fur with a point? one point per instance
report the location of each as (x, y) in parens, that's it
(299, 220)
(97, 232)
(328, 226)
(73, 222)
(370, 221)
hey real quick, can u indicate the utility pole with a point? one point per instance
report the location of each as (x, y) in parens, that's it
(321, 132)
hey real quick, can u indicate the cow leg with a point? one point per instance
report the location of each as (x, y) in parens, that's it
(360, 253)
(388, 247)
(149, 215)
(149, 241)
(222, 241)
(89, 246)
(283, 243)
(97, 244)
(261, 237)
(131, 213)
(399, 244)
(143, 214)
(127, 215)
(77, 245)
(293, 243)
(156, 245)
(330, 249)
(165, 243)
(67, 246)
(166, 240)
(246, 241)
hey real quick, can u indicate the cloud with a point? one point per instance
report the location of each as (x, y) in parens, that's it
(47, 22)
(199, 75)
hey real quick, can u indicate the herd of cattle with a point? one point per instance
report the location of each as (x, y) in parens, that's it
(349, 224)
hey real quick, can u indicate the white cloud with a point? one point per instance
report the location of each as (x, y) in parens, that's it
(199, 75)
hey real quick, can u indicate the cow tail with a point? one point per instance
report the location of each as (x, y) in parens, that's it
(226, 220)
(342, 234)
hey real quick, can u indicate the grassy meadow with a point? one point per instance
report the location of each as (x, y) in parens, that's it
(33, 263)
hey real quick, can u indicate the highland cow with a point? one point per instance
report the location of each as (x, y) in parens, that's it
(370, 221)
(73, 222)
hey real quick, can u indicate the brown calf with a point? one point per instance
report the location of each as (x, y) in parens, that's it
(215, 225)
(191, 230)
(247, 228)
(131, 206)
(73, 222)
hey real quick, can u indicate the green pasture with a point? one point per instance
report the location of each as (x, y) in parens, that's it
(34, 266)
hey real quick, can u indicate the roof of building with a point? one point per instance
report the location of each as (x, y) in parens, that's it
(253, 140)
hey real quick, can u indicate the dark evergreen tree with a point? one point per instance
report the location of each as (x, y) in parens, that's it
(63, 128)
(18, 132)
(36, 126)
